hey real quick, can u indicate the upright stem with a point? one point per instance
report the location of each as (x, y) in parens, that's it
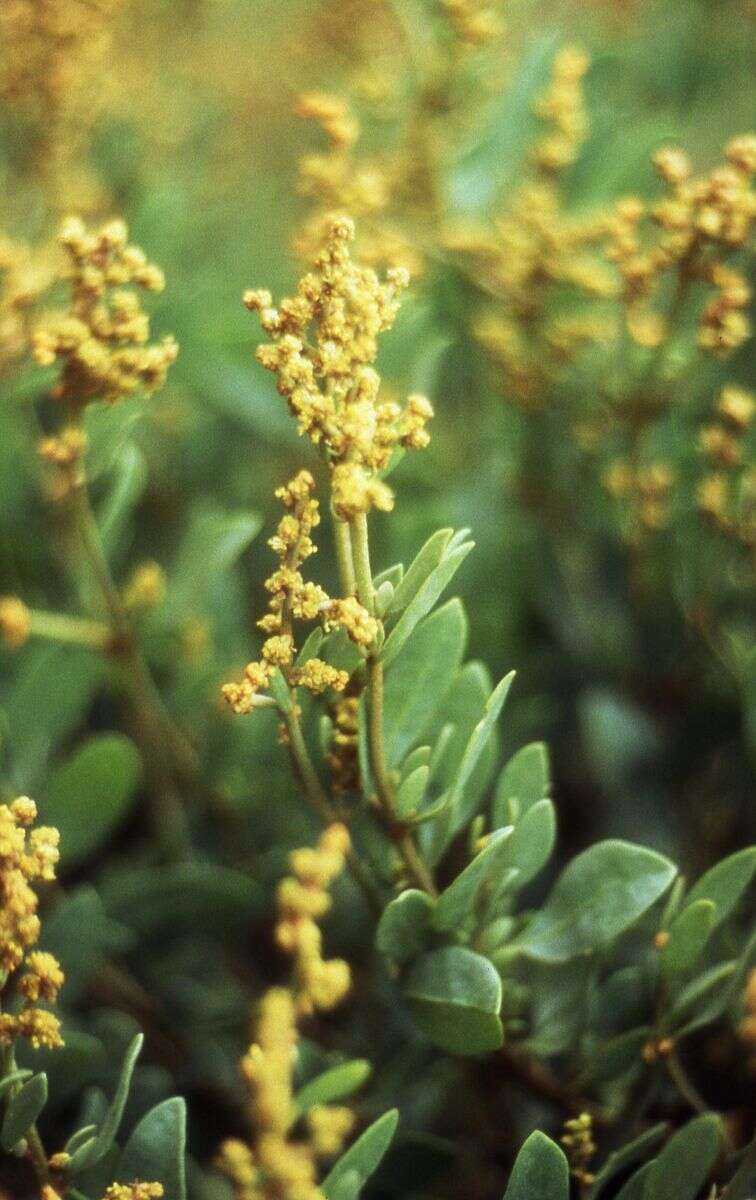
(400, 834)
(319, 802)
(157, 730)
(343, 538)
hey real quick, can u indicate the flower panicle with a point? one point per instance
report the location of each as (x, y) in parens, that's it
(28, 857)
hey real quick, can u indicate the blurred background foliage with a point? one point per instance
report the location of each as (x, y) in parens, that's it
(633, 651)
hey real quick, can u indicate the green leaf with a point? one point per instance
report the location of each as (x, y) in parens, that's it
(9, 1081)
(80, 934)
(475, 747)
(743, 1183)
(418, 681)
(362, 1158)
(193, 896)
(403, 929)
(410, 794)
(634, 1189)
(108, 428)
(628, 1156)
(425, 561)
(599, 895)
(524, 781)
(687, 937)
(532, 840)
(92, 1151)
(457, 903)
(540, 1171)
(130, 476)
(685, 1164)
(209, 547)
(424, 599)
(91, 794)
(725, 883)
(704, 999)
(621, 1054)
(22, 1110)
(156, 1149)
(455, 996)
(335, 1084)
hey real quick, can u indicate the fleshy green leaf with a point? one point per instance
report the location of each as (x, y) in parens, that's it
(335, 1084)
(540, 1171)
(524, 781)
(725, 883)
(628, 1156)
(409, 796)
(23, 1109)
(362, 1158)
(687, 937)
(425, 561)
(403, 929)
(156, 1149)
(424, 599)
(455, 997)
(685, 1164)
(599, 895)
(532, 841)
(91, 794)
(95, 1149)
(420, 678)
(457, 903)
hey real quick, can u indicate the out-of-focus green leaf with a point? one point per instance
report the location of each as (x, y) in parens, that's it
(684, 1165)
(361, 1159)
(91, 794)
(687, 937)
(334, 1084)
(725, 883)
(403, 930)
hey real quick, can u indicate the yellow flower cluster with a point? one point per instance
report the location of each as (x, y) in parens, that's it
(49, 52)
(15, 622)
(325, 339)
(698, 221)
(102, 339)
(644, 489)
(292, 598)
(133, 1191)
(580, 1147)
(24, 277)
(146, 586)
(276, 1166)
(303, 900)
(563, 108)
(475, 22)
(342, 759)
(533, 249)
(27, 856)
(339, 180)
(722, 495)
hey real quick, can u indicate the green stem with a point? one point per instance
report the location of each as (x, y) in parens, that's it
(684, 1085)
(35, 1148)
(79, 631)
(344, 558)
(157, 731)
(319, 802)
(400, 834)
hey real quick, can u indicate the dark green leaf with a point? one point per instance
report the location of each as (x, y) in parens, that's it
(91, 794)
(687, 937)
(725, 883)
(685, 1164)
(403, 929)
